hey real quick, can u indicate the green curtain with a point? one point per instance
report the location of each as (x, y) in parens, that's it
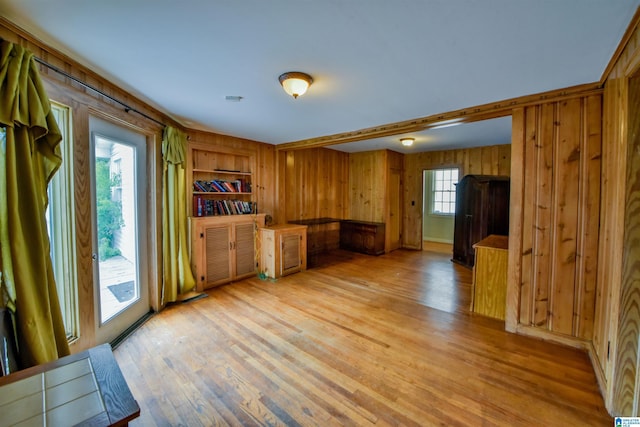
(29, 157)
(177, 275)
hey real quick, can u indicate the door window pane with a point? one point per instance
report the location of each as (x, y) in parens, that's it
(116, 225)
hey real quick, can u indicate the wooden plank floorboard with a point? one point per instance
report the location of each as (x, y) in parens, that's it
(356, 341)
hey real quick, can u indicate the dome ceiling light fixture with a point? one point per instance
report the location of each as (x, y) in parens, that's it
(407, 142)
(295, 83)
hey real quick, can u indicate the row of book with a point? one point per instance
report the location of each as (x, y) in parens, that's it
(222, 186)
(209, 207)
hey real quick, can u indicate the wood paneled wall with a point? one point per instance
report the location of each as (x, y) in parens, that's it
(395, 193)
(312, 183)
(613, 180)
(554, 238)
(492, 160)
(627, 367)
(368, 185)
(375, 191)
(618, 313)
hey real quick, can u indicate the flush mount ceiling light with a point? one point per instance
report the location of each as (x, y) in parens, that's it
(295, 83)
(407, 142)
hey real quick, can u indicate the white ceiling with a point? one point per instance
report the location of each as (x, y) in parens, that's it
(373, 62)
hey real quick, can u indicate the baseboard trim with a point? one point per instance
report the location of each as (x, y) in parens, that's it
(131, 329)
(600, 375)
(441, 247)
(565, 340)
(436, 240)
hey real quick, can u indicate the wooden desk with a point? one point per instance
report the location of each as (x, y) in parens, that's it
(490, 276)
(85, 389)
(323, 236)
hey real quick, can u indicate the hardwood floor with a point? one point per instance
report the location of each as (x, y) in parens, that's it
(360, 341)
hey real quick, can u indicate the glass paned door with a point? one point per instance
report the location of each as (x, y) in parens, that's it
(119, 237)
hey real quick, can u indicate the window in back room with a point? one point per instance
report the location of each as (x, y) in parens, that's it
(439, 204)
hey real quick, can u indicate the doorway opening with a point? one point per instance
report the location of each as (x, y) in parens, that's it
(439, 207)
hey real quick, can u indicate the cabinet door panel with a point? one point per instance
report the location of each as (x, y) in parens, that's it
(290, 253)
(218, 255)
(245, 255)
(369, 242)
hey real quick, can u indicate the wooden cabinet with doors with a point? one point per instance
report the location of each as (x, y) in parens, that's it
(362, 236)
(223, 248)
(482, 208)
(283, 249)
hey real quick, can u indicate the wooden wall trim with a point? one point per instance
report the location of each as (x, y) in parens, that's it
(465, 115)
(628, 35)
(516, 199)
(601, 376)
(544, 335)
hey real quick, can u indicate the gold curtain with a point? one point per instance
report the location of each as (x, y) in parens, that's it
(29, 157)
(177, 275)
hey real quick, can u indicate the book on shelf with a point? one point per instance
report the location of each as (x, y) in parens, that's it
(198, 186)
(242, 186)
(203, 206)
(197, 206)
(222, 186)
(215, 184)
(228, 187)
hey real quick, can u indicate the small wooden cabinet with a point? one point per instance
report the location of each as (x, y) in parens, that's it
(362, 236)
(223, 248)
(490, 277)
(283, 249)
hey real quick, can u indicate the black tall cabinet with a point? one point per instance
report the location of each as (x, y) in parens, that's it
(482, 208)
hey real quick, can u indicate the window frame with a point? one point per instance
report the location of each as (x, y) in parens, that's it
(451, 193)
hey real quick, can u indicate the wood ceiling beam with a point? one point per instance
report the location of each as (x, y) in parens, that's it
(466, 115)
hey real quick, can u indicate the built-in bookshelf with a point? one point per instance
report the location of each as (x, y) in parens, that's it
(221, 181)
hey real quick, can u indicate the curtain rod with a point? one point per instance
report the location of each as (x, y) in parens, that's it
(88, 86)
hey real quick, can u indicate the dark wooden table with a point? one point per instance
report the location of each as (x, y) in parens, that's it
(323, 236)
(86, 389)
